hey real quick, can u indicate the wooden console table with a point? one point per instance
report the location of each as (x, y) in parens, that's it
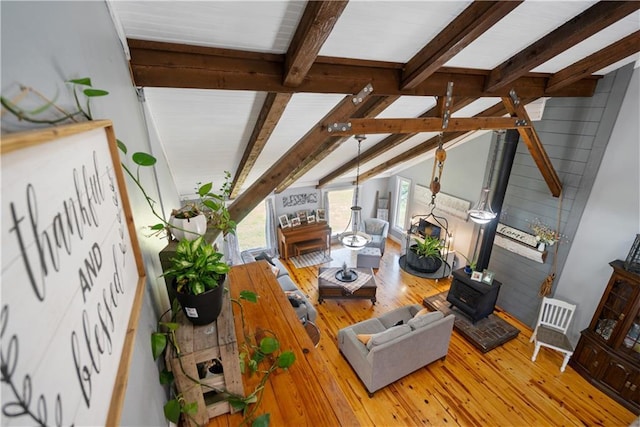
(288, 237)
(305, 394)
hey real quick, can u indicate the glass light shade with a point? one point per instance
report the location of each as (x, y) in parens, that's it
(481, 213)
(355, 239)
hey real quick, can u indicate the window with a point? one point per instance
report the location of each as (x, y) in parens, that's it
(251, 230)
(340, 202)
(402, 202)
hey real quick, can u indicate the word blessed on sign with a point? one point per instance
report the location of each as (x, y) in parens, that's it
(68, 281)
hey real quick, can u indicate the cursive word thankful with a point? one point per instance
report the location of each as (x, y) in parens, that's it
(55, 234)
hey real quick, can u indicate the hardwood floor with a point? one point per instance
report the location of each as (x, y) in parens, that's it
(502, 387)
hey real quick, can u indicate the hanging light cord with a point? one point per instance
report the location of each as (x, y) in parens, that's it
(494, 158)
(359, 138)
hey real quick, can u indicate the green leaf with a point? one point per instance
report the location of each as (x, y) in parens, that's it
(158, 226)
(166, 377)
(95, 92)
(286, 359)
(268, 345)
(143, 159)
(237, 402)
(85, 81)
(204, 189)
(172, 326)
(172, 411)
(249, 296)
(121, 146)
(190, 408)
(158, 344)
(253, 366)
(261, 421)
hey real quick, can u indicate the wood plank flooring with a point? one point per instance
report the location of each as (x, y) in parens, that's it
(499, 388)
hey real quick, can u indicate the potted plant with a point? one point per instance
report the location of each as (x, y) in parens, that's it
(425, 255)
(198, 273)
(470, 266)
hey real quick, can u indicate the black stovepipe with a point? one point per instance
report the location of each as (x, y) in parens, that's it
(506, 163)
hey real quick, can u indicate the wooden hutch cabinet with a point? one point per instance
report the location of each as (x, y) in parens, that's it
(608, 353)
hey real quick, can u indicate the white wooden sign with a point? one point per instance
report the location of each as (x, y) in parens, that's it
(444, 203)
(72, 278)
(515, 234)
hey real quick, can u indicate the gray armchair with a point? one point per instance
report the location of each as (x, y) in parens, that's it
(378, 230)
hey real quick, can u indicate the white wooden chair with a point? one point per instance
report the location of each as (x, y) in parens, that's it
(551, 329)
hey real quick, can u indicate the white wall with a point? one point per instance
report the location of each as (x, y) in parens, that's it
(46, 43)
(611, 218)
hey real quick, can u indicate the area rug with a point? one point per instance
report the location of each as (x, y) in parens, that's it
(486, 334)
(443, 271)
(312, 258)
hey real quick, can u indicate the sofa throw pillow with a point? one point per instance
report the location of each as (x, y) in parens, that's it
(421, 312)
(294, 298)
(424, 320)
(374, 228)
(364, 338)
(265, 256)
(275, 270)
(388, 335)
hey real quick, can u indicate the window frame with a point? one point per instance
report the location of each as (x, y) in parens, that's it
(396, 204)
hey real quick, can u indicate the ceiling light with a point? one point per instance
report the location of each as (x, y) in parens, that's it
(356, 239)
(481, 213)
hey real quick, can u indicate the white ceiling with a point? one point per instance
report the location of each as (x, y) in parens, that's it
(204, 132)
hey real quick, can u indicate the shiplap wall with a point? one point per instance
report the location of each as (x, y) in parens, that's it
(575, 133)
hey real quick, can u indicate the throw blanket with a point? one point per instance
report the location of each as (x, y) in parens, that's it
(330, 276)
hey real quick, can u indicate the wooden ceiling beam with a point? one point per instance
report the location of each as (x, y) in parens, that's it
(533, 143)
(391, 141)
(430, 144)
(477, 18)
(611, 54)
(317, 21)
(156, 64)
(434, 124)
(272, 109)
(589, 22)
(370, 108)
(276, 174)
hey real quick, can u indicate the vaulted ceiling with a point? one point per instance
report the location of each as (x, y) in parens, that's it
(255, 87)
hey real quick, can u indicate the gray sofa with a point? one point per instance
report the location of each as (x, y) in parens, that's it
(305, 310)
(395, 351)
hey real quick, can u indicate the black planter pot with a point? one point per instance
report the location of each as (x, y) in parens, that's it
(203, 308)
(428, 264)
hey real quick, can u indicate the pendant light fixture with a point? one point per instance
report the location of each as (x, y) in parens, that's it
(481, 213)
(356, 239)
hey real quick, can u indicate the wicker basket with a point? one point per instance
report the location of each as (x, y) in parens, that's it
(632, 262)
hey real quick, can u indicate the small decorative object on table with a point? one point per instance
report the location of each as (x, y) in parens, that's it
(632, 263)
(487, 277)
(284, 221)
(477, 276)
(346, 274)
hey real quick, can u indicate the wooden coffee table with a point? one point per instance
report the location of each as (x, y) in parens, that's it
(331, 290)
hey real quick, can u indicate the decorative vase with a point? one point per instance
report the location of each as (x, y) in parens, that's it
(188, 228)
(203, 308)
(541, 246)
(468, 269)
